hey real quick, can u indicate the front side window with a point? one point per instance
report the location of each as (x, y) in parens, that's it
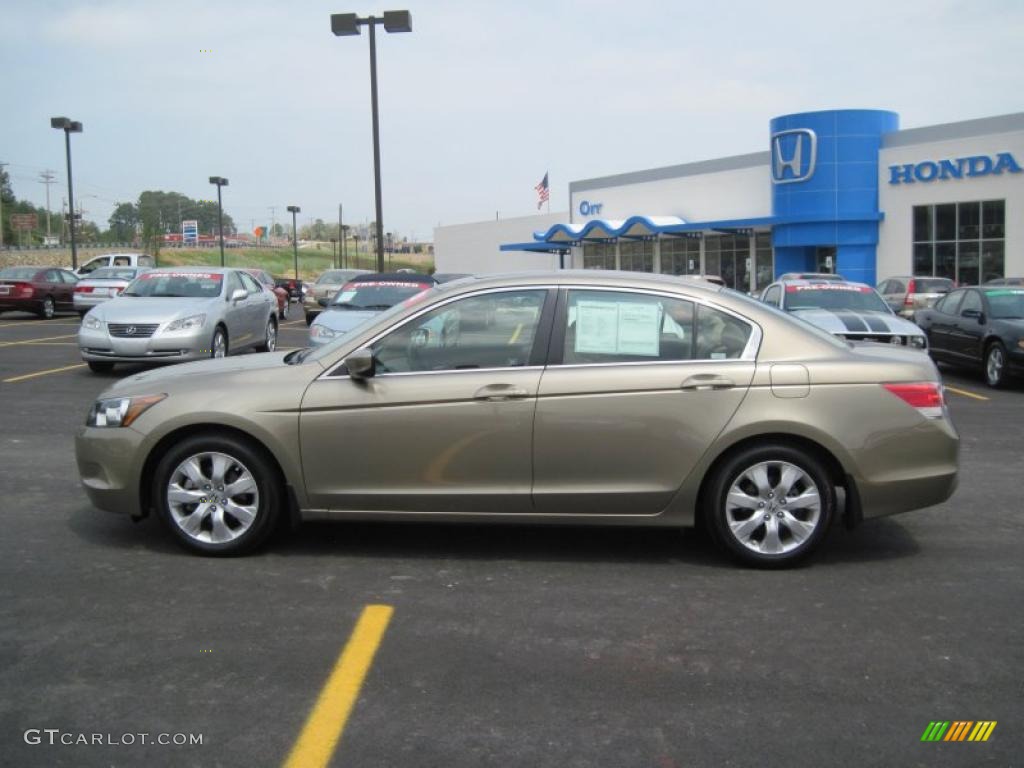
(972, 302)
(948, 304)
(93, 265)
(494, 330)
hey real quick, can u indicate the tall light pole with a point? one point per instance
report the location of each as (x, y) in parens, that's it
(220, 181)
(294, 209)
(344, 24)
(69, 127)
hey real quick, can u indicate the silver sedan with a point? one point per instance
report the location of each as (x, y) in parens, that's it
(176, 314)
(103, 285)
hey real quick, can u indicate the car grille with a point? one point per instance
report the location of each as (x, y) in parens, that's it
(885, 338)
(132, 330)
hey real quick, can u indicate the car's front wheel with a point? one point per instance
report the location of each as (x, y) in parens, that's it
(270, 338)
(770, 505)
(219, 343)
(217, 494)
(995, 365)
(48, 309)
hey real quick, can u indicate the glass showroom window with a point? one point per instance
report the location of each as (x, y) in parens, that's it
(680, 255)
(962, 241)
(765, 272)
(636, 255)
(599, 256)
(726, 256)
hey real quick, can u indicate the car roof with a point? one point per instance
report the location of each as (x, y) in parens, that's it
(393, 277)
(197, 270)
(824, 284)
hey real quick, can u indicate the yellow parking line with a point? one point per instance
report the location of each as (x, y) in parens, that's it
(30, 323)
(965, 393)
(42, 373)
(33, 341)
(326, 721)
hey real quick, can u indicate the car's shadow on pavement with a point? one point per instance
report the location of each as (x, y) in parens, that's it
(873, 541)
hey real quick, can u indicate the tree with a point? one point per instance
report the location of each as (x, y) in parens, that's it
(122, 223)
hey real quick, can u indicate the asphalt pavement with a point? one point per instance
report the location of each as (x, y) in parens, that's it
(507, 646)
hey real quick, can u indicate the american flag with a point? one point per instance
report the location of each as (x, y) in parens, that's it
(542, 191)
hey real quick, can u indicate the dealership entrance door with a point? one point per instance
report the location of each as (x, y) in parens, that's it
(825, 260)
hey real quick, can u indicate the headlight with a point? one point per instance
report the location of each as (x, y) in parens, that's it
(187, 323)
(1020, 343)
(317, 331)
(919, 342)
(93, 324)
(120, 411)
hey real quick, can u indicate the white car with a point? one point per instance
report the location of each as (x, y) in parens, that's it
(115, 260)
(103, 285)
(175, 314)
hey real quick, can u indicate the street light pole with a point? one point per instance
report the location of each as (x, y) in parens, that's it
(344, 24)
(294, 209)
(220, 181)
(69, 127)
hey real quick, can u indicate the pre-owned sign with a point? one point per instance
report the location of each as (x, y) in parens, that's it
(955, 168)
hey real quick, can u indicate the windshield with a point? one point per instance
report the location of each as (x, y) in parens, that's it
(333, 276)
(1006, 305)
(375, 295)
(114, 273)
(197, 285)
(859, 298)
(19, 273)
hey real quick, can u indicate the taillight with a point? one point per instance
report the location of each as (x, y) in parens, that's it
(24, 291)
(83, 289)
(909, 302)
(925, 396)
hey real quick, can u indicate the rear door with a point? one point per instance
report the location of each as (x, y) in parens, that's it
(638, 386)
(58, 289)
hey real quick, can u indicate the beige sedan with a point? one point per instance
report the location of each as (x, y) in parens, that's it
(607, 398)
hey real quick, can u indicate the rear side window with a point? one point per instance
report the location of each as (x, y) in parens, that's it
(250, 283)
(613, 327)
(720, 336)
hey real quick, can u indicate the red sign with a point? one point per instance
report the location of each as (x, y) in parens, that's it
(24, 221)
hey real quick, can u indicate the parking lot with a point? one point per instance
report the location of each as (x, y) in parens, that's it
(507, 646)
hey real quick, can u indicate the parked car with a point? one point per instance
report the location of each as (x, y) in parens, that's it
(594, 398)
(811, 276)
(328, 284)
(360, 299)
(906, 295)
(296, 288)
(978, 327)
(115, 260)
(176, 314)
(1005, 281)
(265, 279)
(42, 290)
(102, 285)
(853, 311)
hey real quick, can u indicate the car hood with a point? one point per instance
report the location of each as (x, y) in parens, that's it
(344, 320)
(131, 309)
(843, 321)
(189, 374)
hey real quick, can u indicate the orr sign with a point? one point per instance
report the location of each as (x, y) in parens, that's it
(955, 168)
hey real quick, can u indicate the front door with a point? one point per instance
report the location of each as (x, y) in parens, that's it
(445, 424)
(638, 387)
(825, 260)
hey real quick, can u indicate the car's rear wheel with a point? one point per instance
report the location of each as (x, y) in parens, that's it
(309, 319)
(218, 495)
(770, 505)
(995, 365)
(284, 311)
(48, 309)
(270, 339)
(219, 343)
(98, 366)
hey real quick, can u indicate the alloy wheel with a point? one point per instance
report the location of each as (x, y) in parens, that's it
(994, 363)
(220, 345)
(48, 308)
(773, 507)
(212, 497)
(271, 336)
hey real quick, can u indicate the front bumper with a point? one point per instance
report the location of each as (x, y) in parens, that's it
(99, 345)
(109, 464)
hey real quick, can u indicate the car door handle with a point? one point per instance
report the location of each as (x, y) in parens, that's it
(705, 381)
(499, 392)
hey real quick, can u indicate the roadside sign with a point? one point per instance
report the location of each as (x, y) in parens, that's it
(24, 221)
(190, 231)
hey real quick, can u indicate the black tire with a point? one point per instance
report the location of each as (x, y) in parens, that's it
(48, 309)
(268, 345)
(219, 331)
(309, 319)
(283, 314)
(98, 366)
(82, 314)
(772, 511)
(269, 505)
(995, 365)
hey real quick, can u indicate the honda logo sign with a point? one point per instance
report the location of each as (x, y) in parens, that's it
(794, 154)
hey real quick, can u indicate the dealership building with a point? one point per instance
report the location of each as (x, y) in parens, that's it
(842, 191)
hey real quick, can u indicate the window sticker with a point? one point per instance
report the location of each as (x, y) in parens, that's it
(611, 327)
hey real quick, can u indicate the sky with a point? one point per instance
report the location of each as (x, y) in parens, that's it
(476, 104)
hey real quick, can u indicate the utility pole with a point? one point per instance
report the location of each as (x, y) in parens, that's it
(2, 210)
(46, 177)
(341, 237)
(273, 222)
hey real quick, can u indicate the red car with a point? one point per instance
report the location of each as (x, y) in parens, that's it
(267, 281)
(43, 290)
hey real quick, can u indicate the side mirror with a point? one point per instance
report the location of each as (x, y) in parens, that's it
(360, 364)
(238, 294)
(322, 302)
